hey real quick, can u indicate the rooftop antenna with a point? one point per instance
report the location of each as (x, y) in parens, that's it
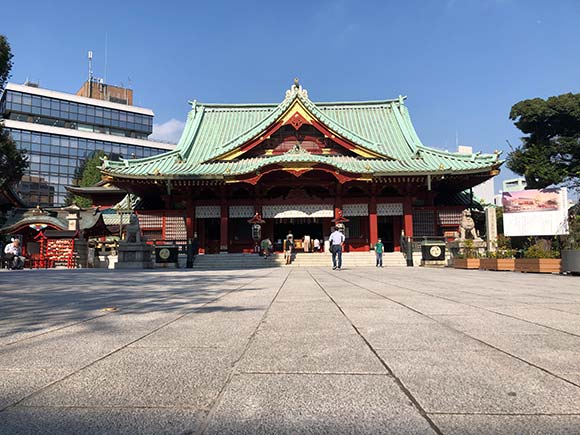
(456, 139)
(90, 55)
(106, 53)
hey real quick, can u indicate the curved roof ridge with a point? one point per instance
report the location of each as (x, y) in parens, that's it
(255, 129)
(467, 156)
(143, 160)
(190, 131)
(358, 103)
(319, 103)
(236, 105)
(340, 129)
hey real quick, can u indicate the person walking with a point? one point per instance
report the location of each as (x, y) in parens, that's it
(336, 240)
(379, 249)
(289, 247)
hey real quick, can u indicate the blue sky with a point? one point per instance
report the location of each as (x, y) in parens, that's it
(462, 63)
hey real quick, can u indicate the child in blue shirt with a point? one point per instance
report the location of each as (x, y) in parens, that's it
(379, 248)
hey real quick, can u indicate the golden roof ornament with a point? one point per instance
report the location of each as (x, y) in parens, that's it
(295, 89)
(37, 211)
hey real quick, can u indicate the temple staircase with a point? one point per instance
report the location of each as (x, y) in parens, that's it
(300, 259)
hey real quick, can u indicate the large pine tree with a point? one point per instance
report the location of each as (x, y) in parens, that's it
(550, 153)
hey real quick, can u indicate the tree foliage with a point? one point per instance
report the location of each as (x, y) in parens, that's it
(86, 175)
(13, 162)
(550, 153)
(5, 61)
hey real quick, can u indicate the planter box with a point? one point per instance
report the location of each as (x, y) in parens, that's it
(466, 263)
(571, 260)
(497, 264)
(538, 265)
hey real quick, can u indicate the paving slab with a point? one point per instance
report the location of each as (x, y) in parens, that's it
(387, 315)
(290, 308)
(555, 351)
(63, 350)
(480, 382)
(315, 404)
(485, 325)
(426, 335)
(557, 319)
(563, 307)
(313, 353)
(508, 424)
(306, 323)
(143, 377)
(17, 384)
(215, 329)
(572, 377)
(99, 421)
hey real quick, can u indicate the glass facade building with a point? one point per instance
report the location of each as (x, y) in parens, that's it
(59, 131)
(24, 107)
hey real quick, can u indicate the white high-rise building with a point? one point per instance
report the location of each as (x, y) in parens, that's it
(484, 191)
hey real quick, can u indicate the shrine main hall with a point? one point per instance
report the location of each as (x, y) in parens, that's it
(301, 165)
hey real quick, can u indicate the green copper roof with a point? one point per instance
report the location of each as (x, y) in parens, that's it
(382, 127)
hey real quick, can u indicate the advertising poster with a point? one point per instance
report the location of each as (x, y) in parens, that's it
(531, 212)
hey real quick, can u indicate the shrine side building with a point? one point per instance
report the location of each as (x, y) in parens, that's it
(300, 165)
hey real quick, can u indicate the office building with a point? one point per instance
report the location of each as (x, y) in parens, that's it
(60, 130)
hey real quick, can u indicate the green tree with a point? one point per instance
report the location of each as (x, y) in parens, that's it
(550, 153)
(13, 162)
(87, 174)
(5, 61)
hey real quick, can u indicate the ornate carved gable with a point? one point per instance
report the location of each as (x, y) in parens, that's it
(306, 139)
(297, 126)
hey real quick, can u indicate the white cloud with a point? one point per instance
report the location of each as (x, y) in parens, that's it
(169, 131)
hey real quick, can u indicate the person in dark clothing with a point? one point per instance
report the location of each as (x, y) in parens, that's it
(195, 246)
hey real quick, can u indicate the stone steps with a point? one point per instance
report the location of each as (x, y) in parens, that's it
(251, 261)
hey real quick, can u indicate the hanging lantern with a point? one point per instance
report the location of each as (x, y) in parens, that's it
(256, 222)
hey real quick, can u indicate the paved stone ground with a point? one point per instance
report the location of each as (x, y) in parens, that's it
(362, 351)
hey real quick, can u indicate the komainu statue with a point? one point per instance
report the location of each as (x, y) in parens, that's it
(467, 226)
(133, 231)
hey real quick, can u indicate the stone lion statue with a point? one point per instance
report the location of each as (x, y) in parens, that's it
(467, 226)
(133, 231)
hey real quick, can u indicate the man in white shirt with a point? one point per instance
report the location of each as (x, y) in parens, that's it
(316, 245)
(12, 252)
(336, 240)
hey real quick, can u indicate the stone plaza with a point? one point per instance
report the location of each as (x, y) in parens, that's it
(289, 351)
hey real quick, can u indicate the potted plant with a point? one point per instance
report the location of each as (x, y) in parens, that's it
(502, 258)
(468, 258)
(539, 258)
(571, 251)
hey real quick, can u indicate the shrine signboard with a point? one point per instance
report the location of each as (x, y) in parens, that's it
(533, 212)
